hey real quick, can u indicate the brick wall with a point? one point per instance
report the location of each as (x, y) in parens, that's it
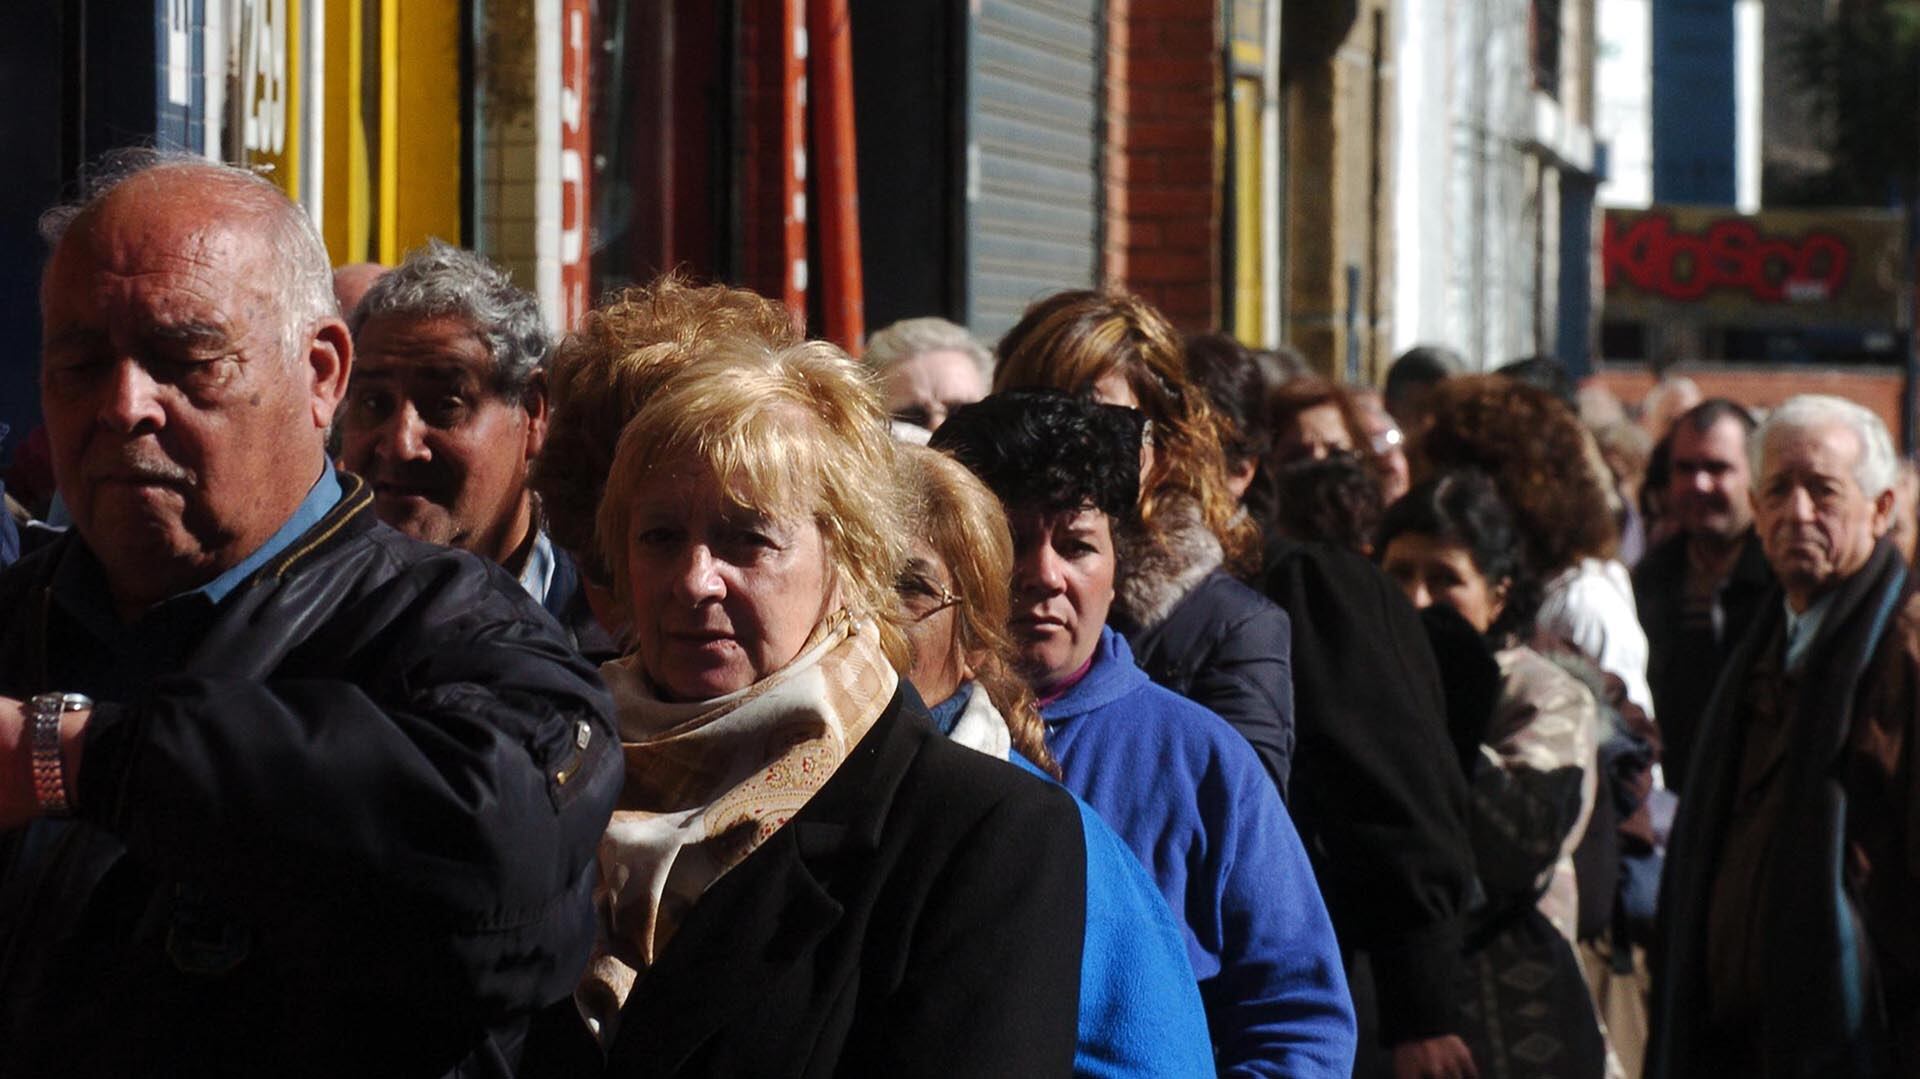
(1878, 389)
(761, 220)
(1162, 157)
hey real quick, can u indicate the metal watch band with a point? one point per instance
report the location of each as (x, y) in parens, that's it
(49, 767)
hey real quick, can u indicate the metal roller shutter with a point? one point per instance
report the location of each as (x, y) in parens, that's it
(1033, 195)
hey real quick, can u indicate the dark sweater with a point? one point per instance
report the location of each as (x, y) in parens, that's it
(1684, 662)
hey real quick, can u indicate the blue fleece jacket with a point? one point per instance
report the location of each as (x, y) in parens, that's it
(1187, 794)
(1140, 1012)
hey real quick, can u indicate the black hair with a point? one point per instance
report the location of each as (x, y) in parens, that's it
(1336, 500)
(1228, 374)
(1464, 507)
(1050, 451)
(1546, 373)
(1704, 415)
(1420, 366)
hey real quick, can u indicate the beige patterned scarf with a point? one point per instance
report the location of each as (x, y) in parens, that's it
(708, 782)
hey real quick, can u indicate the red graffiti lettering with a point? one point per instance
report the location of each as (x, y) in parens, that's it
(1647, 253)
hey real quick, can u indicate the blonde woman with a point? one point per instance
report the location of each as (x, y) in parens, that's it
(802, 876)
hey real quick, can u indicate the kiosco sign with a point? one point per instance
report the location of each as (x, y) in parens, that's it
(1832, 268)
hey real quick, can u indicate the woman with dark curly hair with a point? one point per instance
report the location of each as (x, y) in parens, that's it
(1334, 500)
(1452, 542)
(1181, 788)
(1192, 626)
(1549, 473)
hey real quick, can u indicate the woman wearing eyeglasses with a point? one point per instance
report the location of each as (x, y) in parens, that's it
(1140, 1010)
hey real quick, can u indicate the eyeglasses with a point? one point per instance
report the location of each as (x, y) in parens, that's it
(921, 597)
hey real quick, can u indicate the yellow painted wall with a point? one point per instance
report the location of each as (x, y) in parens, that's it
(1249, 273)
(420, 157)
(393, 168)
(346, 223)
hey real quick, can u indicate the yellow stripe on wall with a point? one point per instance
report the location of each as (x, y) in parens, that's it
(347, 191)
(421, 169)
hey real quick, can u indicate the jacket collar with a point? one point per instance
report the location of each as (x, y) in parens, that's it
(1159, 566)
(350, 516)
(771, 911)
(1112, 676)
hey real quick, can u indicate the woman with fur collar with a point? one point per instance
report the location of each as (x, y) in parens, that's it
(1191, 625)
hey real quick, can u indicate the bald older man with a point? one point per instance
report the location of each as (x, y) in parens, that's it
(352, 282)
(1789, 943)
(282, 791)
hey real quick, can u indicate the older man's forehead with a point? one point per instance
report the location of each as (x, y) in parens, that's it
(118, 245)
(1828, 449)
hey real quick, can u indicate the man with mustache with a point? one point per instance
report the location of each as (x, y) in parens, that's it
(1698, 590)
(1788, 944)
(447, 409)
(282, 791)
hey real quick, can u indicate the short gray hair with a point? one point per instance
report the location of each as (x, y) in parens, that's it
(307, 288)
(1876, 470)
(912, 336)
(441, 280)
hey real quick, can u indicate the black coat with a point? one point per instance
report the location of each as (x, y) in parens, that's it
(922, 915)
(1228, 648)
(1377, 795)
(1682, 667)
(341, 823)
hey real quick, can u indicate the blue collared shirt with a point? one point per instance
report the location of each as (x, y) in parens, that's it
(321, 497)
(1802, 628)
(131, 655)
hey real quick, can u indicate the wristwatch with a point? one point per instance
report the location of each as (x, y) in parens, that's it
(49, 767)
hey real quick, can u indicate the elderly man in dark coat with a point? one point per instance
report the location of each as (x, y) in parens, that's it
(282, 791)
(1789, 943)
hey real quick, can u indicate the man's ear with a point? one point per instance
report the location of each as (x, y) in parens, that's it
(539, 412)
(329, 360)
(1883, 504)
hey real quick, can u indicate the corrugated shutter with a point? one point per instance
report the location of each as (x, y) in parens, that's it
(1033, 195)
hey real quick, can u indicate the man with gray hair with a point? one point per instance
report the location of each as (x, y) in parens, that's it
(1788, 941)
(928, 367)
(282, 791)
(445, 413)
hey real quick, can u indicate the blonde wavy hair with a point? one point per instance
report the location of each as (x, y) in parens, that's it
(602, 373)
(1071, 340)
(962, 521)
(792, 433)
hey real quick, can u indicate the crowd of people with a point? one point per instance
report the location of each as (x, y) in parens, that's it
(390, 688)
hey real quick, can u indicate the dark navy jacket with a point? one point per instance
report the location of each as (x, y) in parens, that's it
(343, 823)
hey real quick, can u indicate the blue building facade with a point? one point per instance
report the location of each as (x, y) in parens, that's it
(79, 79)
(1693, 102)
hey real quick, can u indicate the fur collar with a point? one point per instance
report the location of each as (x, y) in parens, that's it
(1158, 567)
